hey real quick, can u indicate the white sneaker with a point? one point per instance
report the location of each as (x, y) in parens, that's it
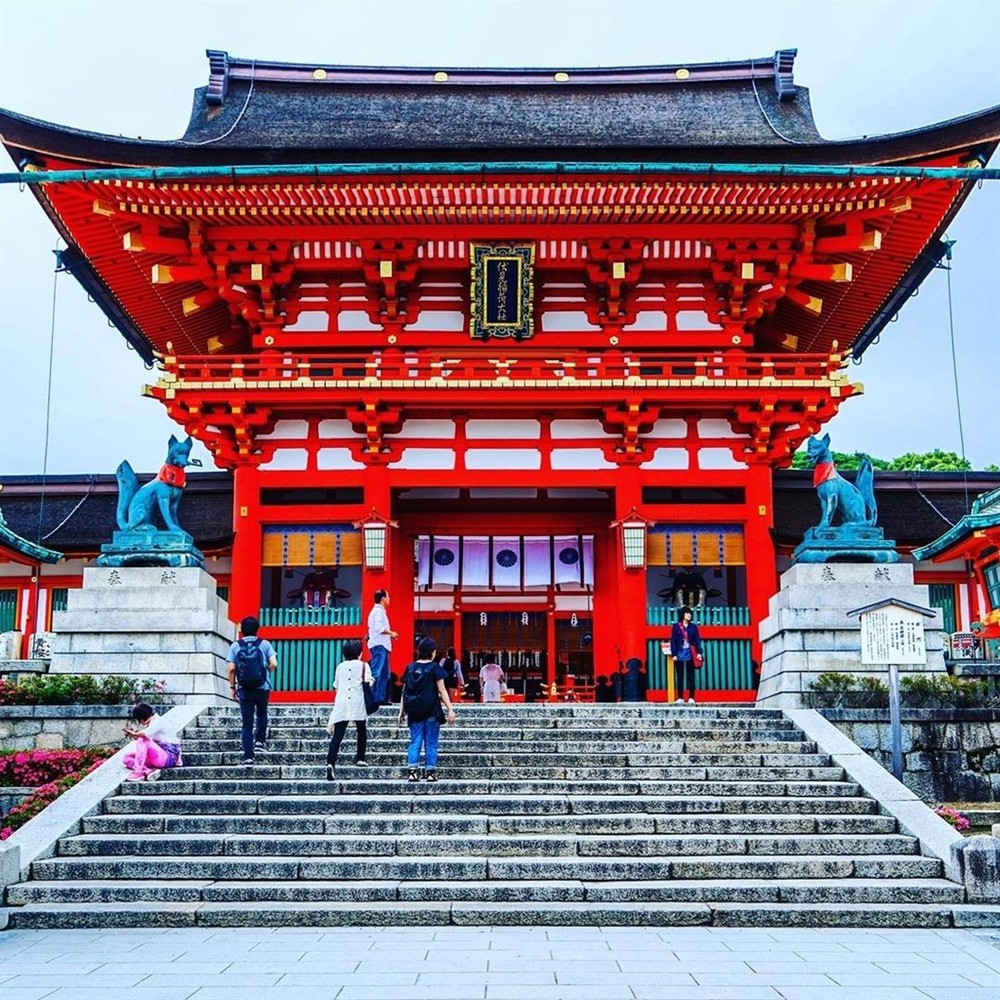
(690, 701)
(153, 775)
(680, 701)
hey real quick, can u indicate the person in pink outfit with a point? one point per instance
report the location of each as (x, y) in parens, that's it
(156, 745)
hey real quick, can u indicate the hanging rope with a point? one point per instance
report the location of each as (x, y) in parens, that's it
(954, 372)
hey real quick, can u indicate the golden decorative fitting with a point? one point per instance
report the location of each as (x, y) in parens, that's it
(618, 269)
(682, 74)
(613, 341)
(746, 270)
(385, 268)
(391, 338)
(440, 77)
(561, 77)
(256, 272)
(319, 74)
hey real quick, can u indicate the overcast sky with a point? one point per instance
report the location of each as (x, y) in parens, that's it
(130, 68)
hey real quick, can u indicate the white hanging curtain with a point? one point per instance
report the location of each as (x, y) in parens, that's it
(506, 561)
(423, 561)
(444, 562)
(588, 561)
(475, 562)
(569, 555)
(537, 561)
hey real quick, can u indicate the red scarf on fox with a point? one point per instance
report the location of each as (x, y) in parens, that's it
(172, 475)
(823, 472)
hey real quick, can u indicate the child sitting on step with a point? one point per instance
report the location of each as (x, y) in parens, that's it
(156, 745)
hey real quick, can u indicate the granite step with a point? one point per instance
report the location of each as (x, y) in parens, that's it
(481, 824)
(844, 890)
(564, 844)
(240, 805)
(435, 867)
(569, 814)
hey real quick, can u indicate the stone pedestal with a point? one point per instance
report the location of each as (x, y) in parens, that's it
(807, 631)
(155, 622)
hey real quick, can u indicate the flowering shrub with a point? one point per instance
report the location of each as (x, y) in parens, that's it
(958, 820)
(37, 767)
(39, 799)
(77, 689)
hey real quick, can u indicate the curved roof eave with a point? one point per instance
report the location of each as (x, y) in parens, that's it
(30, 139)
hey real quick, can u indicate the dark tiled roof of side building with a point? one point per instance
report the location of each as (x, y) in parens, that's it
(78, 512)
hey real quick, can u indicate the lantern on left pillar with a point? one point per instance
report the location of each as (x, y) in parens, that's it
(632, 530)
(375, 538)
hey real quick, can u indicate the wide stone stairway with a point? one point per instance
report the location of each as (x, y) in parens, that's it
(575, 814)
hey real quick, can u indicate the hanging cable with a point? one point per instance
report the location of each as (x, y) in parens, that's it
(48, 389)
(954, 371)
(239, 117)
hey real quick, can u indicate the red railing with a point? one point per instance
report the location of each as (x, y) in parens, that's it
(505, 367)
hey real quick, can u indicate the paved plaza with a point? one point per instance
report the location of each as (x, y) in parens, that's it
(524, 963)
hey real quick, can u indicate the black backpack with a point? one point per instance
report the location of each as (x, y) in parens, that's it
(251, 670)
(448, 664)
(420, 696)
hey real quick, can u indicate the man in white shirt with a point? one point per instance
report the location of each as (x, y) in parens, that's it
(380, 636)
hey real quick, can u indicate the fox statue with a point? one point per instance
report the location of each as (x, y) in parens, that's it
(854, 502)
(137, 506)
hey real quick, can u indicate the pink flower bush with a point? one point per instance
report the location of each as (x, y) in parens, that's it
(958, 820)
(38, 767)
(46, 793)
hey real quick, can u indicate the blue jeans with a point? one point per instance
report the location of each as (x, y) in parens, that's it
(253, 703)
(424, 734)
(380, 673)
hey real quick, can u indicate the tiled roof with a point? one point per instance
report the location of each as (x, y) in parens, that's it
(76, 514)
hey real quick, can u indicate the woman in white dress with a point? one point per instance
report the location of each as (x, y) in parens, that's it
(491, 680)
(349, 705)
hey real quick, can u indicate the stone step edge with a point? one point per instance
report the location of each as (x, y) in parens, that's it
(137, 914)
(937, 839)
(39, 836)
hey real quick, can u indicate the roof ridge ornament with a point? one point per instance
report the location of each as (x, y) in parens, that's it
(783, 82)
(218, 80)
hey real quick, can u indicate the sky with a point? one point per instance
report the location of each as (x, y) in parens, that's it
(70, 387)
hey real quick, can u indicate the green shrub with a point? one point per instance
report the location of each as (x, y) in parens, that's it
(943, 691)
(77, 689)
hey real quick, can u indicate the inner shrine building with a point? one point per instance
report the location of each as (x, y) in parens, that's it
(522, 347)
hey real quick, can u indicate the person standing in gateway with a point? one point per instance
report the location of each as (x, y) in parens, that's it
(380, 636)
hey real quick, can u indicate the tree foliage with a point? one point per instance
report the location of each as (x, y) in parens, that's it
(927, 461)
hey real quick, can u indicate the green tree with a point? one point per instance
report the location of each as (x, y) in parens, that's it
(913, 461)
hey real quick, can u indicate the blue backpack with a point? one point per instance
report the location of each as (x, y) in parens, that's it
(251, 668)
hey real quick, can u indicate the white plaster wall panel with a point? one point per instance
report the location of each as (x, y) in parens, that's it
(290, 459)
(579, 458)
(503, 458)
(425, 458)
(719, 458)
(294, 429)
(336, 429)
(337, 458)
(648, 320)
(669, 458)
(310, 321)
(452, 321)
(355, 321)
(503, 430)
(668, 429)
(426, 429)
(567, 322)
(577, 429)
(716, 429)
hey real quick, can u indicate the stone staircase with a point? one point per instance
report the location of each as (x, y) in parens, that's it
(575, 814)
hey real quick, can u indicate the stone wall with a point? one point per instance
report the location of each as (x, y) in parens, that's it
(59, 727)
(949, 755)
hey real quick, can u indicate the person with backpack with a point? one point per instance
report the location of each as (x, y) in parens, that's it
(453, 679)
(251, 663)
(424, 694)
